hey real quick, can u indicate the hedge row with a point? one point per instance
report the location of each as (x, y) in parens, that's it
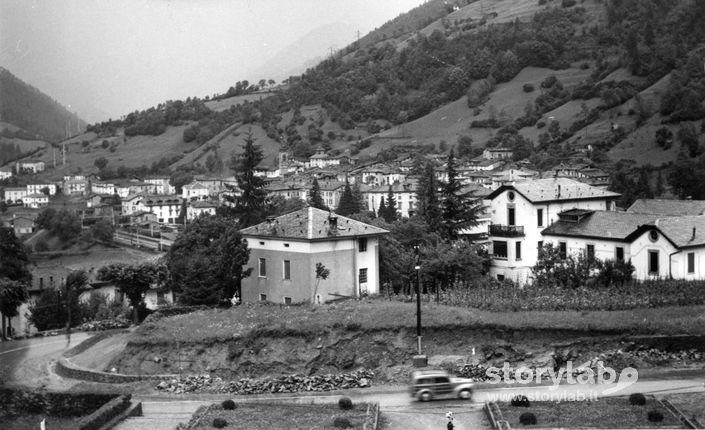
(15, 402)
(497, 296)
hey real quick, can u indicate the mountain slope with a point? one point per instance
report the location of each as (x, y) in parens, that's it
(34, 112)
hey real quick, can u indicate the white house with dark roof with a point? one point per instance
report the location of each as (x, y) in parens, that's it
(404, 196)
(658, 247)
(284, 252)
(198, 208)
(5, 172)
(15, 194)
(37, 187)
(195, 190)
(519, 212)
(166, 208)
(162, 184)
(33, 166)
(321, 160)
(36, 201)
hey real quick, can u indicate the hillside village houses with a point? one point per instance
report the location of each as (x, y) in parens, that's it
(5, 173)
(30, 166)
(523, 208)
(285, 250)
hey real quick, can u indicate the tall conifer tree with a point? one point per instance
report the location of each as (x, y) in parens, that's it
(315, 198)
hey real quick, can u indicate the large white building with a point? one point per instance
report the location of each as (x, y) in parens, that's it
(520, 212)
(15, 194)
(658, 247)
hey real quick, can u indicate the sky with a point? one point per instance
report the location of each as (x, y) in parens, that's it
(106, 58)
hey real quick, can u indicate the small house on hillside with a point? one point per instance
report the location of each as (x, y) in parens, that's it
(284, 252)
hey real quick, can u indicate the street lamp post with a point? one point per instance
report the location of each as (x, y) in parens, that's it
(418, 300)
(420, 360)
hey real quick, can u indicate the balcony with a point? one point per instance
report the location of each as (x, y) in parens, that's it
(506, 230)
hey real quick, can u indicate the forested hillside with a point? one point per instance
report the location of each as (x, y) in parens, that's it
(36, 114)
(604, 80)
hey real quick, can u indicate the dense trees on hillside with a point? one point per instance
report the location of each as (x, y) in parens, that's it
(33, 111)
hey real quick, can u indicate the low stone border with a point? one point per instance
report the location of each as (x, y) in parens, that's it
(691, 424)
(105, 413)
(494, 414)
(64, 367)
(372, 417)
(91, 341)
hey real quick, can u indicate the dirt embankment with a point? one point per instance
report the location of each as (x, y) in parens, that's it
(389, 352)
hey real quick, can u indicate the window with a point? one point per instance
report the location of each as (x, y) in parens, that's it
(287, 300)
(262, 297)
(287, 269)
(619, 253)
(41, 283)
(539, 217)
(363, 276)
(286, 245)
(517, 251)
(499, 249)
(691, 262)
(562, 250)
(653, 235)
(653, 263)
(591, 252)
(362, 244)
(511, 216)
(500, 277)
(262, 267)
(261, 242)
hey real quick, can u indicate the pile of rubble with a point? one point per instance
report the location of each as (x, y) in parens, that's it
(284, 384)
(650, 356)
(104, 324)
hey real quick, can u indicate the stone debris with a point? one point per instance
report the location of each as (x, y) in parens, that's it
(104, 324)
(616, 359)
(283, 384)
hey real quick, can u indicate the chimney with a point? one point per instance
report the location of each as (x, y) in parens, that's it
(271, 228)
(559, 190)
(693, 238)
(333, 225)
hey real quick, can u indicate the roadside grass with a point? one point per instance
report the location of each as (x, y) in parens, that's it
(375, 314)
(31, 422)
(260, 416)
(608, 412)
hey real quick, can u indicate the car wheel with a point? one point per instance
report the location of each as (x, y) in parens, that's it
(425, 396)
(465, 394)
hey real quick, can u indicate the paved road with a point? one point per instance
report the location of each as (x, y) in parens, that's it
(25, 361)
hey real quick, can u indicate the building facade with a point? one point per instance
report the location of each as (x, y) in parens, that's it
(285, 251)
(520, 212)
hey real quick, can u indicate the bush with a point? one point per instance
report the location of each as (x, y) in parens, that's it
(655, 416)
(219, 423)
(637, 399)
(345, 403)
(229, 405)
(341, 423)
(528, 88)
(527, 419)
(567, 3)
(520, 400)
